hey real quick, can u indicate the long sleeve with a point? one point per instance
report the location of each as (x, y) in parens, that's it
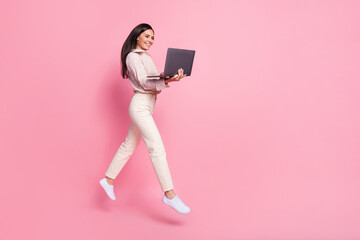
(137, 69)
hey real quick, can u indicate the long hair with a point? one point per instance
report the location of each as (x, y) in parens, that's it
(130, 43)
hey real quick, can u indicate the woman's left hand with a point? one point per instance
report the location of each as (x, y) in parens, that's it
(178, 76)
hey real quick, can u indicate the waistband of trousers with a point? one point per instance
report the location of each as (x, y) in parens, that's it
(154, 93)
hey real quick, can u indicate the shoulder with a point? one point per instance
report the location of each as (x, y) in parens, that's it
(132, 57)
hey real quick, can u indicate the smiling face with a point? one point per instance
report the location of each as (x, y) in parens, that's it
(145, 40)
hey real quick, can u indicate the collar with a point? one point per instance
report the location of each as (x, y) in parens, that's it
(139, 50)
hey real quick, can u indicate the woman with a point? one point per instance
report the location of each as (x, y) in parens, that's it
(136, 66)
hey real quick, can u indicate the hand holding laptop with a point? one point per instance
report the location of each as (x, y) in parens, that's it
(177, 77)
(177, 60)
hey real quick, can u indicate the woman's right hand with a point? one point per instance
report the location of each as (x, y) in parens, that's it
(177, 77)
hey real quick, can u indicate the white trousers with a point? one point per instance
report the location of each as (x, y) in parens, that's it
(143, 126)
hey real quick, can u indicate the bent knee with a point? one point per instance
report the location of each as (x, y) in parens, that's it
(156, 152)
(128, 146)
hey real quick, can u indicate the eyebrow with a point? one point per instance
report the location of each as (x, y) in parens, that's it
(149, 35)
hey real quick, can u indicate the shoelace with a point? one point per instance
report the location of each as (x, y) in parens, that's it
(180, 203)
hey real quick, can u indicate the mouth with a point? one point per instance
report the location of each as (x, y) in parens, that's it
(147, 44)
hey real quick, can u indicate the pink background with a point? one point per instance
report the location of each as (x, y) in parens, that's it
(262, 140)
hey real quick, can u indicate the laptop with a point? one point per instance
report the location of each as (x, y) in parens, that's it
(175, 59)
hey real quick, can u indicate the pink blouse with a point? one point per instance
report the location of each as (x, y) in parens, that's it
(140, 65)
